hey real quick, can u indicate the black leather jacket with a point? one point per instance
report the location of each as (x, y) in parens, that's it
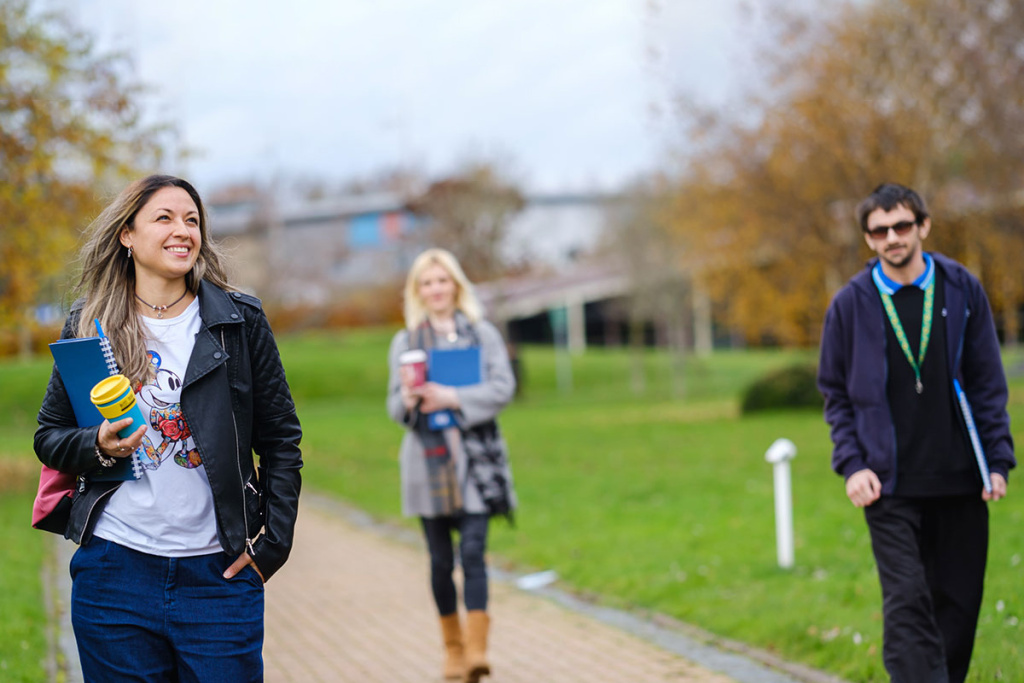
(236, 401)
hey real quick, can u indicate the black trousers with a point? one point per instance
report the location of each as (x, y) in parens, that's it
(472, 548)
(931, 555)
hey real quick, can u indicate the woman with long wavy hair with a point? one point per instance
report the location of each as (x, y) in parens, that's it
(168, 579)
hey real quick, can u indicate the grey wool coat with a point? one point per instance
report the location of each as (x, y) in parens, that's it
(479, 403)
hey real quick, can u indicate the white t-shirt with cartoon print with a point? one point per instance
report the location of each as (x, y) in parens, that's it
(169, 511)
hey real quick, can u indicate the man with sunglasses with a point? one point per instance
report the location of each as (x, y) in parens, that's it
(900, 340)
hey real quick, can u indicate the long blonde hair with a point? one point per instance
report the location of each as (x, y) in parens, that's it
(465, 297)
(108, 274)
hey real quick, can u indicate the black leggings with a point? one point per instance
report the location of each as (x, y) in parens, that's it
(472, 546)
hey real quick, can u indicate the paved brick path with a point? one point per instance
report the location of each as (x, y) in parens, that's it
(354, 606)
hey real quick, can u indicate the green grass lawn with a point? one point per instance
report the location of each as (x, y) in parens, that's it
(644, 501)
(23, 627)
(23, 618)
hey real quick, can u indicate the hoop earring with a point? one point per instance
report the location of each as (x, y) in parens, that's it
(129, 252)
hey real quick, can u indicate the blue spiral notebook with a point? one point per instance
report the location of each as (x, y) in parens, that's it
(82, 363)
(453, 368)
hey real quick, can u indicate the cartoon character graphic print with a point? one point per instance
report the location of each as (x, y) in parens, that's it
(164, 415)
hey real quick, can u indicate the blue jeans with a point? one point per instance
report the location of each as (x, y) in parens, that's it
(472, 546)
(140, 617)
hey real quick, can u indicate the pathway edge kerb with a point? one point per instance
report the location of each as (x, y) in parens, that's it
(801, 672)
(743, 662)
(50, 587)
(69, 667)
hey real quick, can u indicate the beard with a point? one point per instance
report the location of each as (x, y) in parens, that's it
(901, 261)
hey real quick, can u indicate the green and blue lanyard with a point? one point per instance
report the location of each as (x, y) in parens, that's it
(886, 288)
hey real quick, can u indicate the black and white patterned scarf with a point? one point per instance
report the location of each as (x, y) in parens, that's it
(486, 457)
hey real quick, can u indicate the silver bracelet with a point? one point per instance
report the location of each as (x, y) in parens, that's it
(105, 460)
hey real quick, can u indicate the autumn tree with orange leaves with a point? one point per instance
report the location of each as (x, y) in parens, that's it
(70, 134)
(928, 93)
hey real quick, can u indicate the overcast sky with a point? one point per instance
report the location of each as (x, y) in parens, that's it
(565, 89)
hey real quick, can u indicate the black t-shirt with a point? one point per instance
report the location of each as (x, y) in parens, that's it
(933, 455)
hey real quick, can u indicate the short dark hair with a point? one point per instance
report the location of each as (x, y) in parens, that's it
(887, 197)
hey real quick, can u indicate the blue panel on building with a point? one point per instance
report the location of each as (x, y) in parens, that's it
(412, 223)
(364, 231)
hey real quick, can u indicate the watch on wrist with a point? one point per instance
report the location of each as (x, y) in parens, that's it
(105, 460)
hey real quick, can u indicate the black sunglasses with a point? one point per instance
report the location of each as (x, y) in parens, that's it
(882, 231)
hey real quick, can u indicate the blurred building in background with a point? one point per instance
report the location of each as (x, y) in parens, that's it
(309, 252)
(323, 254)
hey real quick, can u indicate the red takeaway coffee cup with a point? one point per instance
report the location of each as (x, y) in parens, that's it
(414, 367)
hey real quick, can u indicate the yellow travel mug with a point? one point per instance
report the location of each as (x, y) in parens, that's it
(115, 399)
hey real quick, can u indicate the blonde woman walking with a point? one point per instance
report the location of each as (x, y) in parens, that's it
(457, 477)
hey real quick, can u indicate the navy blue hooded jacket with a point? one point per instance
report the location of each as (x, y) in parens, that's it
(852, 373)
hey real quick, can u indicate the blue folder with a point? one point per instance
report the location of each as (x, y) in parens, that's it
(453, 368)
(972, 431)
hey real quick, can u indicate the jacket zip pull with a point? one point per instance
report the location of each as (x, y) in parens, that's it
(248, 541)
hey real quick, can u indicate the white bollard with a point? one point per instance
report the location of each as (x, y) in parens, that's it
(779, 454)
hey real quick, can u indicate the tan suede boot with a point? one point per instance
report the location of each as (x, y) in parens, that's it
(454, 657)
(477, 625)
